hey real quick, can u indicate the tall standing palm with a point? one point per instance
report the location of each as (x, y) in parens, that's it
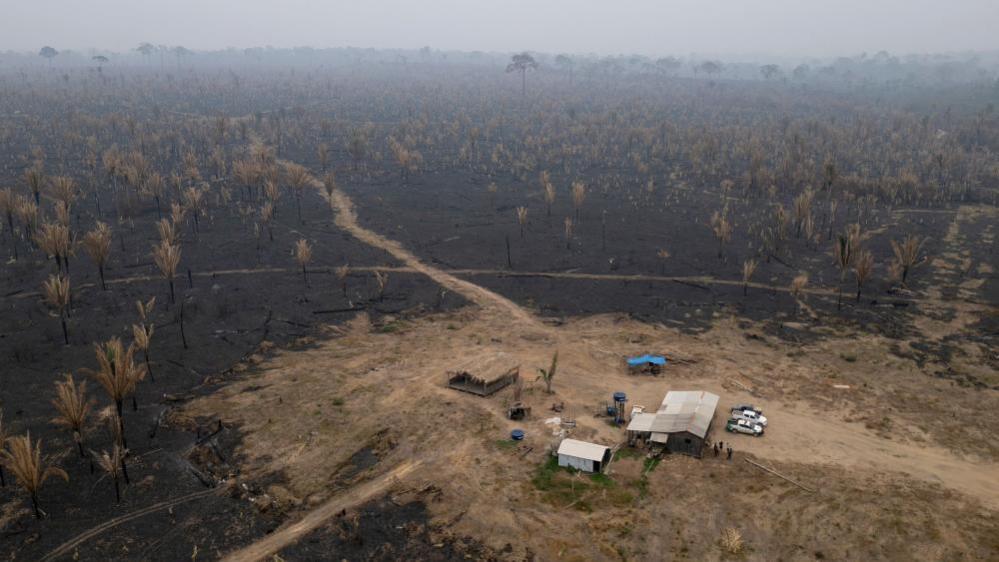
(167, 258)
(522, 63)
(113, 464)
(97, 244)
(48, 53)
(57, 296)
(143, 332)
(303, 255)
(549, 375)
(24, 460)
(73, 407)
(748, 269)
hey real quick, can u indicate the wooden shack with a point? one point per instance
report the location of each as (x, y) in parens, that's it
(484, 375)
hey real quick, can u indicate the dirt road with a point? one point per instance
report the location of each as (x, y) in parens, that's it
(292, 532)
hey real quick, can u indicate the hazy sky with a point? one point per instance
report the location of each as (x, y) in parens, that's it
(723, 27)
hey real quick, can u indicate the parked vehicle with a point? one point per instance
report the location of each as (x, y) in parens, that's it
(749, 407)
(750, 415)
(744, 426)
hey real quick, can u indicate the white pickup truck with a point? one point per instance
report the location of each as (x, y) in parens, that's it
(749, 415)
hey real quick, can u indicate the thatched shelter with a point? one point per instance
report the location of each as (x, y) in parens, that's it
(484, 375)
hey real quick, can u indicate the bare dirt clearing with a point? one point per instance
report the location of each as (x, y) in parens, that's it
(382, 388)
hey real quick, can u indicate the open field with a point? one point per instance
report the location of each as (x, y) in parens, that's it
(348, 235)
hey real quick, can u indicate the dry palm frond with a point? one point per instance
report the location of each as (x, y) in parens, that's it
(54, 239)
(907, 255)
(568, 232)
(578, 195)
(381, 279)
(145, 308)
(62, 213)
(73, 407)
(194, 201)
(748, 269)
(722, 230)
(731, 541)
(271, 190)
(113, 464)
(63, 189)
(167, 258)
(57, 295)
(177, 212)
(24, 460)
(167, 230)
(97, 244)
(35, 177)
(303, 255)
(522, 219)
(329, 186)
(143, 333)
(797, 287)
(342, 273)
(863, 266)
(549, 188)
(27, 213)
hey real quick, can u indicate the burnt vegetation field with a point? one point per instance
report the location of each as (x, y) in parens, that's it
(172, 226)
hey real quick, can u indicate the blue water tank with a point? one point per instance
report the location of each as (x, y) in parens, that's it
(620, 397)
(517, 434)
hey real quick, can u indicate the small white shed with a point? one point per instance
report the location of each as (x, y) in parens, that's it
(587, 457)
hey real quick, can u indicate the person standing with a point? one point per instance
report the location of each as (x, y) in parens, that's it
(729, 450)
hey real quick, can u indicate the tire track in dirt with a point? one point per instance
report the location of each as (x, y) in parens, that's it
(293, 532)
(85, 536)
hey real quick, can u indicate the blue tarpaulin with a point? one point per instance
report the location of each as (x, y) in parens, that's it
(646, 359)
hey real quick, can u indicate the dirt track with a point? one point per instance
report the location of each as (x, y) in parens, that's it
(292, 532)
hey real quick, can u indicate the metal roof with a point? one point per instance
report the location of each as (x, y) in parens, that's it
(641, 421)
(688, 410)
(582, 450)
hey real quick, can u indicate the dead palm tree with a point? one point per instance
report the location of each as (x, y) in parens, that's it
(266, 217)
(167, 229)
(844, 252)
(303, 255)
(63, 190)
(55, 240)
(722, 230)
(381, 279)
(549, 375)
(35, 177)
(167, 258)
(97, 244)
(748, 269)
(568, 233)
(194, 201)
(797, 288)
(24, 460)
(907, 254)
(522, 219)
(298, 178)
(143, 332)
(329, 186)
(113, 464)
(342, 273)
(73, 406)
(863, 266)
(117, 373)
(578, 195)
(57, 296)
(549, 187)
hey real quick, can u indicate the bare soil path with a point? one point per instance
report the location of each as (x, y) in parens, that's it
(291, 533)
